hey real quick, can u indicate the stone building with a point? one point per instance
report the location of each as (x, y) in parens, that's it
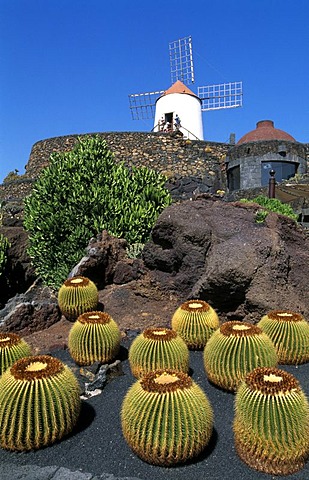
(258, 152)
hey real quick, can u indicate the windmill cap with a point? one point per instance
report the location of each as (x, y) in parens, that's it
(179, 87)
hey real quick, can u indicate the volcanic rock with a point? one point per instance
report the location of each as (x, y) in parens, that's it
(18, 273)
(34, 310)
(216, 251)
(106, 262)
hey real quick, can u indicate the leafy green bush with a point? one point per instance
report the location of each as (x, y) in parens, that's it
(81, 193)
(271, 205)
(4, 245)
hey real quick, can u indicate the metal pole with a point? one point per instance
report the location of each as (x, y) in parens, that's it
(272, 184)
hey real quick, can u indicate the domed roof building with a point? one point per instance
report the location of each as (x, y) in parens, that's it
(261, 150)
(265, 130)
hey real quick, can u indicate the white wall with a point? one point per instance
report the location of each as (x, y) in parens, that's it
(188, 108)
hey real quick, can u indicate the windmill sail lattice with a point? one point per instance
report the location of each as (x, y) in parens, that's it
(223, 95)
(212, 97)
(143, 105)
(181, 60)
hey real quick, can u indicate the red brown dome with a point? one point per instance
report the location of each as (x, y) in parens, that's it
(265, 130)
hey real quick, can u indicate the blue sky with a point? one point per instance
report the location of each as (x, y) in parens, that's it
(67, 66)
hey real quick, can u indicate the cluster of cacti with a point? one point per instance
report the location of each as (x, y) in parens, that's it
(12, 347)
(158, 348)
(195, 321)
(39, 403)
(94, 337)
(77, 295)
(271, 425)
(166, 418)
(235, 349)
(289, 332)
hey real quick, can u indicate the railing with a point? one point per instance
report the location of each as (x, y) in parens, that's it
(172, 129)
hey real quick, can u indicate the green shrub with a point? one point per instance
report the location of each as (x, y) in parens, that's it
(81, 193)
(4, 245)
(271, 205)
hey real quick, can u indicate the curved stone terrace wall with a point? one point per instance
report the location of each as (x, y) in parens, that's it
(260, 148)
(167, 153)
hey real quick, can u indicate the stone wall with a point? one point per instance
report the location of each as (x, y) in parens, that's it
(191, 166)
(167, 153)
(254, 149)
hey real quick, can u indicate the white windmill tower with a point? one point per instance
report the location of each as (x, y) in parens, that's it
(179, 101)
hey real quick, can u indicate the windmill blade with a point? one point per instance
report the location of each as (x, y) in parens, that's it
(181, 60)
(143, 105)
(223, 95)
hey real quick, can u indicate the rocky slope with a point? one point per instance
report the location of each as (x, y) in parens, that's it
(205, 248)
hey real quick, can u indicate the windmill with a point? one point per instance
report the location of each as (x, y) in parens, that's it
(180, 100)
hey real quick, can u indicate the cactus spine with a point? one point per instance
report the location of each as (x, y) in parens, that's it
(12, 347)
(166, 418)
(158, 348)
(195, 321)
(94, 337)
(235, 349)
(271, 424)
(76, 296)
(39, 403)
(289, 332)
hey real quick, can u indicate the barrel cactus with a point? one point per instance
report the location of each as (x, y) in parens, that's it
(12, 347)
(195, 321)
(39, 403)
(166, 418)
(76, 296)
(289, 332)
(94, 337)
(271, 423)
(158, 348)
(235, 349)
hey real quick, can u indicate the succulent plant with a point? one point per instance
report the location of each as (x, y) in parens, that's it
(289, 332)
(166, 418)
(12, 347)
(195, 321)
(94, 337)
(235, 349)
(158, 348)
(271, 423)
(76, 296)
(39, 403)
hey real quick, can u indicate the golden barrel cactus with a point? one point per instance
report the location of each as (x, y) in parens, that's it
(39, 403)
(235, 349)
(158, 348)
(271, 424)
(12, 347)
(195, 321)
(76, 296)
(166, 418)
(289, 332)
(94, 337)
